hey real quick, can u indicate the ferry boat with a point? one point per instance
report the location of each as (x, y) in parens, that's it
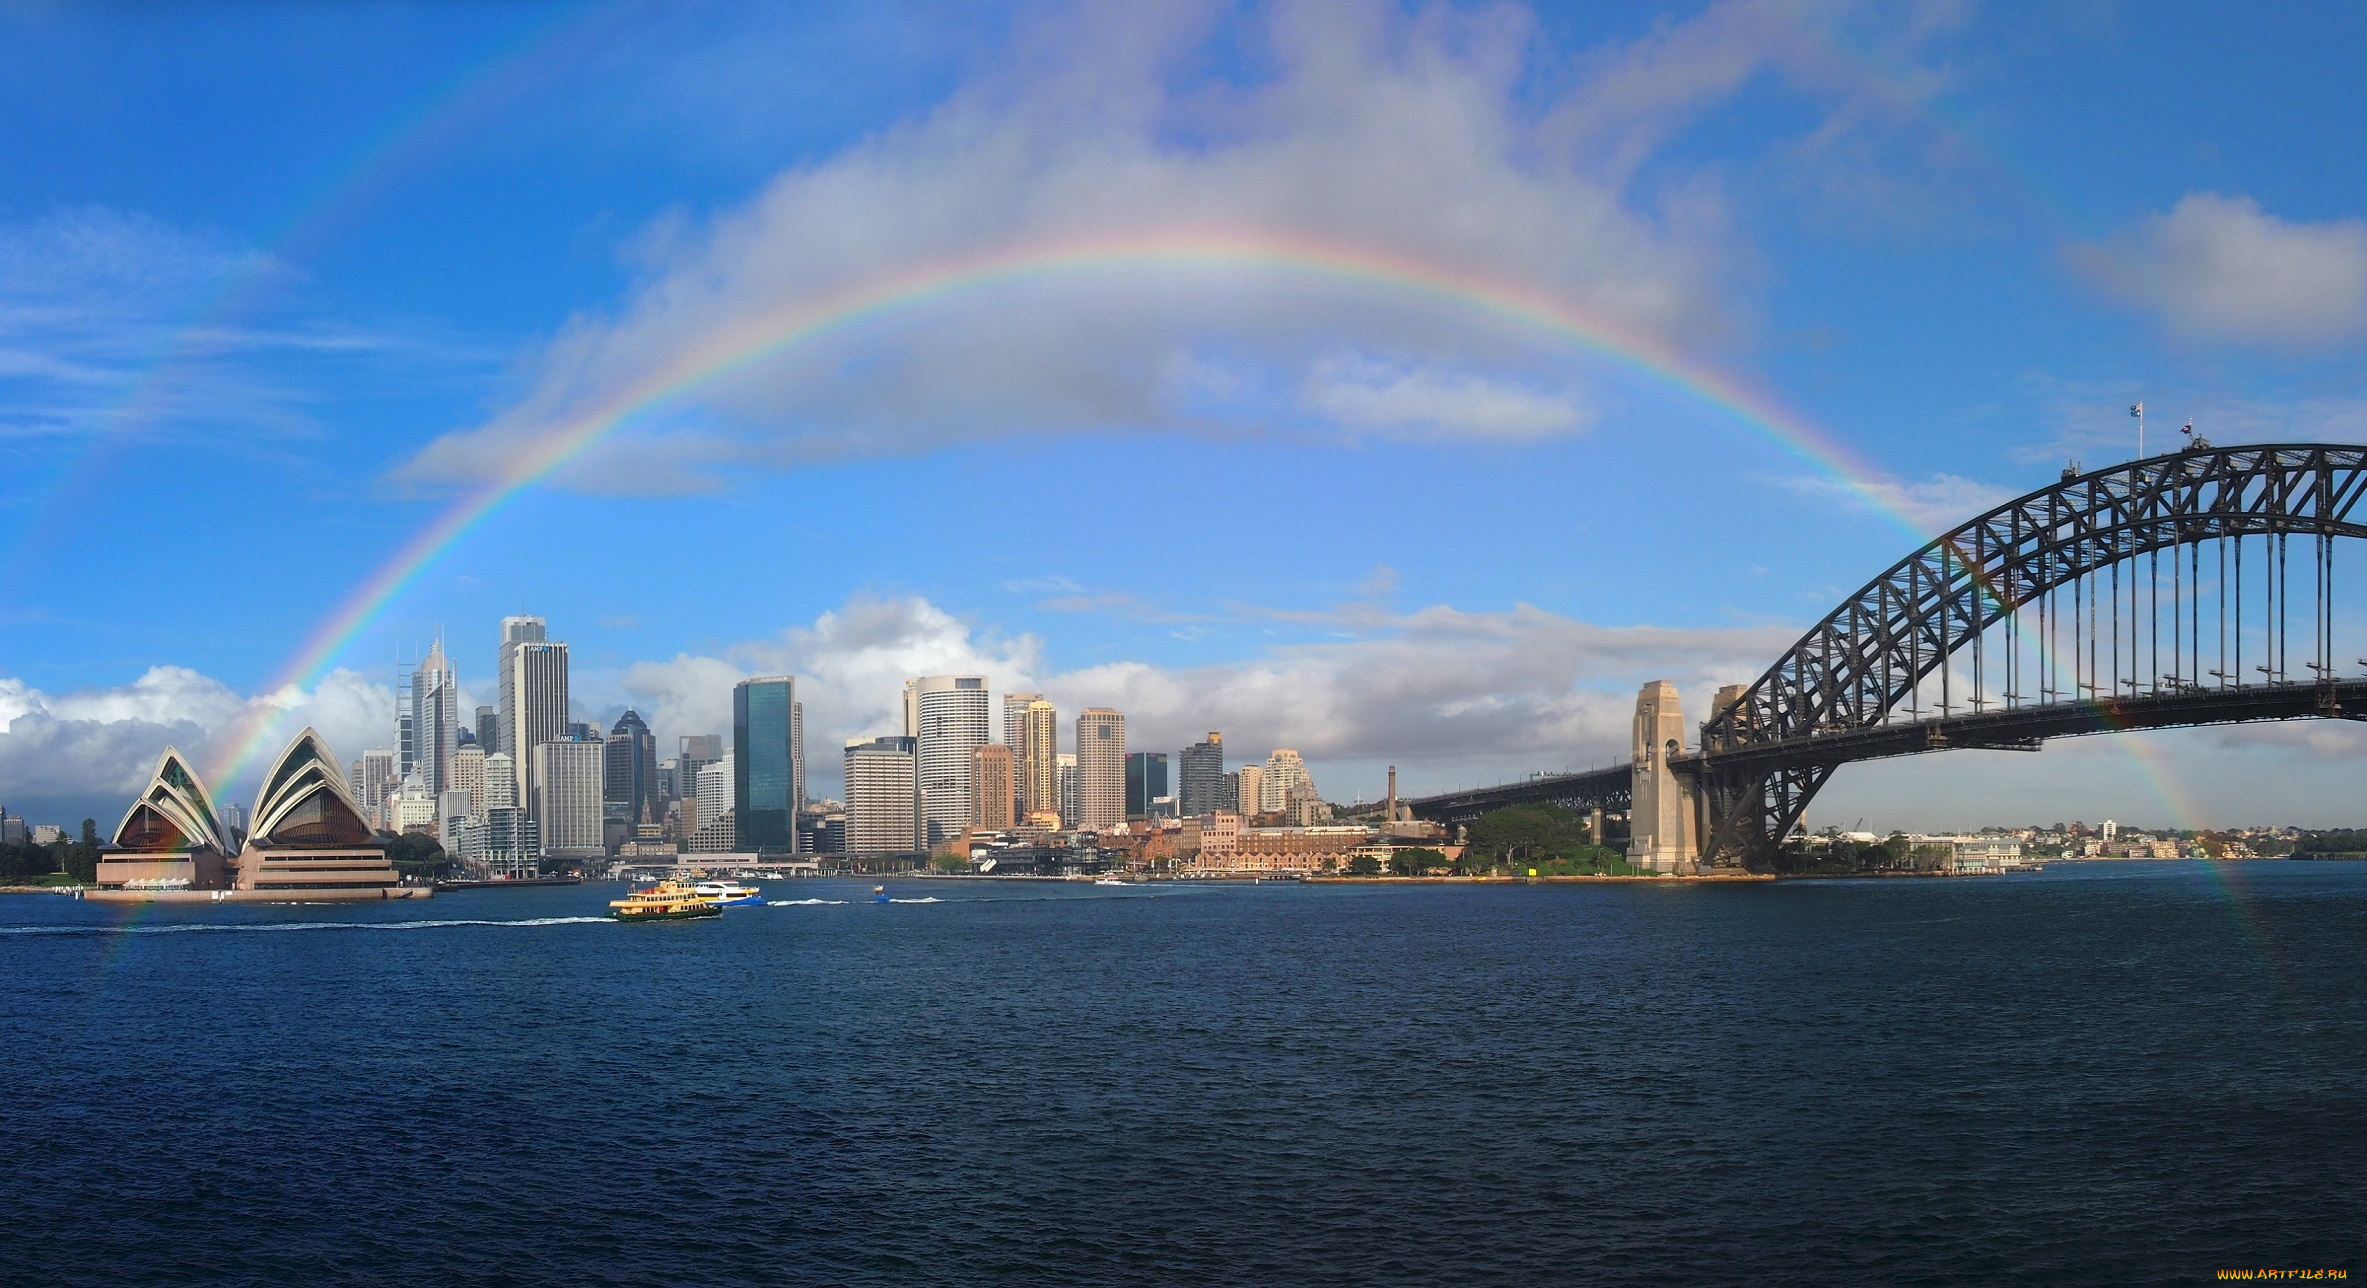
(665, 901)
(728, 894)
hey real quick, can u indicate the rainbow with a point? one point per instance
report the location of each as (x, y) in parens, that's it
(803, 320)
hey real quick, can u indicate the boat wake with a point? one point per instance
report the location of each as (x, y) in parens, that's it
(260, 927)
(804, 903)
(924, 899)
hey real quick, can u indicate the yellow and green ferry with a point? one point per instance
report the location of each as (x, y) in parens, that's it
(665, 901)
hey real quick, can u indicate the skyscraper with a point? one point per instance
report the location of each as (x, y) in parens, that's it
(630, 792)
(1146, 781)
(883, 796)
(435, 719)
(712, 829)
(514, 631)
(564, 786)
(377, 781)
(1015, 718)
(488, 726)
(1200, 774)
(501, 783)
(1037, 759)
(694, 752)
(1249, 792)
(991, 775)
(1285, 773)
(534, 691)
(764, 763)
(468, 775)
(952, 713)
(1065, 776)
(1101, 769)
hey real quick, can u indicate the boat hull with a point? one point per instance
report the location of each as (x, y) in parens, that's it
(667, 914)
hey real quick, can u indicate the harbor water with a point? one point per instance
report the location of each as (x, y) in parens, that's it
(2101, 1073)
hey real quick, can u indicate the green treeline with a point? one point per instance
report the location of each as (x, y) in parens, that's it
(75, 861)
(1511, 842)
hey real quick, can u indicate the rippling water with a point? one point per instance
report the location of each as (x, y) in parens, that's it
(2103, 1073)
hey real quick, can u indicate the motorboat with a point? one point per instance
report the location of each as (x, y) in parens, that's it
(728, 894)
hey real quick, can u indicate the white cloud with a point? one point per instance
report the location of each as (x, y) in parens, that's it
(1932, 505)
(1410, 136)
(1360, 393)
(2220, 267)
(91, 748)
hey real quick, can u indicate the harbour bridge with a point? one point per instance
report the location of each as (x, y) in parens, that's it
(2155, 594)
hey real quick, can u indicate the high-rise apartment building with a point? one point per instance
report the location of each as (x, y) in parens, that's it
(711, 819)
(1146, 781)
(564, 784)
(630, 791)
(991, 775)
(501, 782)
(952, 713)
(765, 758)
(1285, 773)
(534, 691)
(1036, 758)
(435, 719)
(514, 632)
(1249, 789)
(883, 796)
(1200, 777)
(1101, 769)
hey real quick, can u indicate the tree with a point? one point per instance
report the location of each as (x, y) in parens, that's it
(418, 856)
(1415, 861)
(1364, 865)
(1524, 836)
(82, 860)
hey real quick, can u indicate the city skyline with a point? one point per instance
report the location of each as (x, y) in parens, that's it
(1486, 526)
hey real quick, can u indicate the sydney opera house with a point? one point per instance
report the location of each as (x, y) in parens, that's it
(309, 841)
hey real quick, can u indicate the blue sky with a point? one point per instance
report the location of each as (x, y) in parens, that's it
(279, 284)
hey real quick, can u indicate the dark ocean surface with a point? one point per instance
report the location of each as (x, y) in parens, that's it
(2104, 1073)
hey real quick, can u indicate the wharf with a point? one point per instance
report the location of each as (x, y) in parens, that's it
(510, 883)
(372, 894)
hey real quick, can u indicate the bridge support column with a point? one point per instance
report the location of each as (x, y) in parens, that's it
(1664, 825)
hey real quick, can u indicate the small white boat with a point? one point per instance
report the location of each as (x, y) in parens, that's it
(728, 894)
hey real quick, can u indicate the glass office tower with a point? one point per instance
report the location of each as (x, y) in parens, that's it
(765, 755)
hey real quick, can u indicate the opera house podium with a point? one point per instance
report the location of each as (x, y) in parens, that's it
(310, 842)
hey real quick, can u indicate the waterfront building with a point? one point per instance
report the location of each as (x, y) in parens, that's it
(468, 776)
(883, 814)
(1146, 781)
(435, 718)
(534, 693)
(171, 838)
(452, 814)
(1036, 758)
(834, 833)
(951, 716)
(1200, 777)
(1065, 766)
(991, 774)
(1227, 848)
(1249, 790)
(564, 783)
(1285, 773)
(765, 760)
(515, 631)
(310, 840)
(505, 843)
(1101, 769)
(630, 790)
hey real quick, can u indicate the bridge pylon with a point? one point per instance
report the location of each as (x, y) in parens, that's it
(1664, 824)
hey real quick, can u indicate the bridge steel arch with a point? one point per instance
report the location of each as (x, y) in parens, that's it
(1836, 694)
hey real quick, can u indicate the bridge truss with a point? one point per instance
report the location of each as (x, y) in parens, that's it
(2153, 594)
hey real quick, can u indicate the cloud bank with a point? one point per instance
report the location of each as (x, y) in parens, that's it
(2221, 268)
